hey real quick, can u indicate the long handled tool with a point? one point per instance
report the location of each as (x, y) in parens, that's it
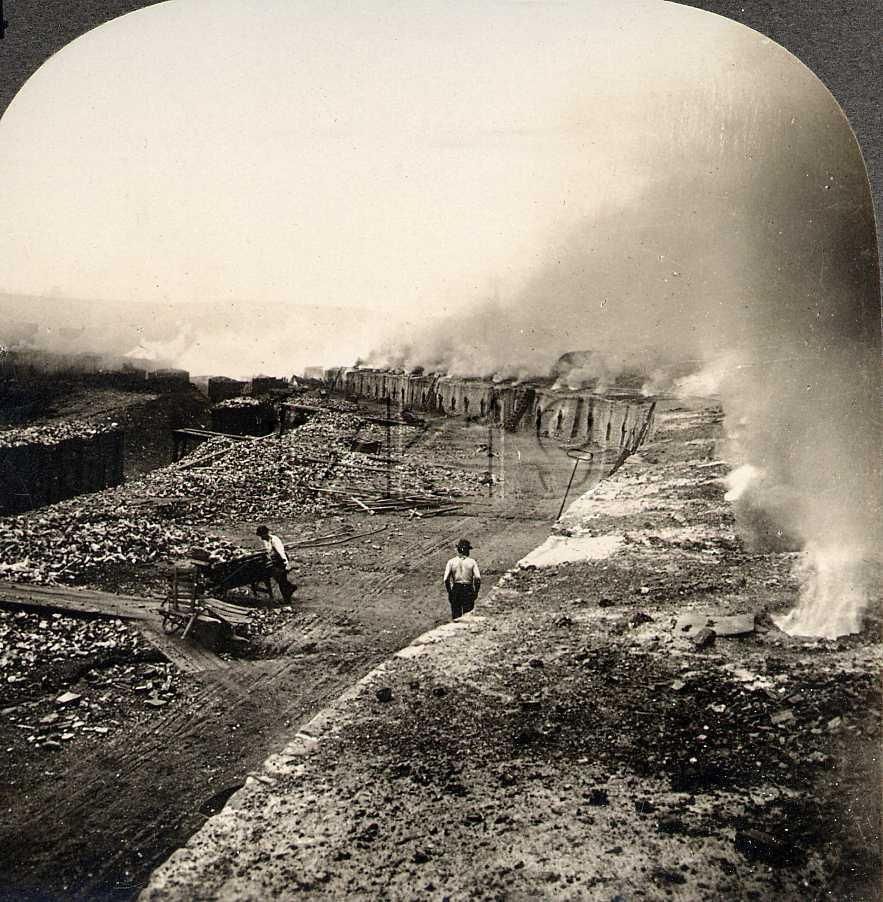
(576, 463)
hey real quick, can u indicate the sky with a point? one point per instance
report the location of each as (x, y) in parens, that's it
(394, 156)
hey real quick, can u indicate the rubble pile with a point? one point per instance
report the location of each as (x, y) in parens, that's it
(76, 541)
(241, 401)
(55, 432)
(278, 474)
(407, 475)
(156, 517)
(340, 405)
(159, 516)
(65, 678)
(257, 479)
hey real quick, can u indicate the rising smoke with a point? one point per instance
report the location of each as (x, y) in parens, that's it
(751, 258)
(206, 338)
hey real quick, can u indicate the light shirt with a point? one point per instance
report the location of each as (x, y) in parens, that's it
(274, 543)
(462, 570)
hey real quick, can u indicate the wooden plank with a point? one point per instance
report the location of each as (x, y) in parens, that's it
(363, 506)
(237, 619)
(689, 624)
(208, 433)
(84, 601)
(186, 656)
(228, 606)
(231, 613)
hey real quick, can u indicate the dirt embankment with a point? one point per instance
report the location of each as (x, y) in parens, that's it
(147, 417)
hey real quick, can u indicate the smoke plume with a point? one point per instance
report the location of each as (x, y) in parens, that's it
(751, 259)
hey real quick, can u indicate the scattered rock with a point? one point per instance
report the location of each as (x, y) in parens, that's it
(664, 876)
(527, 736)
(726, 625)
(759, 846)
(704, 638)
(598, 797)
(671, 824)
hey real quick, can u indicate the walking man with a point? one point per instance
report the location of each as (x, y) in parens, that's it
(462, 580)
(279, 563)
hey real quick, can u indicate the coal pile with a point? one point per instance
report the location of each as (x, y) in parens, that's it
(53, 433)
(64, 678)
(80, 540)
(243, 401)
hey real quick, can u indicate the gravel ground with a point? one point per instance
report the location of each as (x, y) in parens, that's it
(568, 740)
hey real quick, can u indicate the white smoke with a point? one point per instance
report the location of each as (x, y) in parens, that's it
(834, 592)
(739, 480)
(785, 318)
(707, 382)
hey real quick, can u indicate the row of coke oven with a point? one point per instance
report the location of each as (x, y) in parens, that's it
(577, 416)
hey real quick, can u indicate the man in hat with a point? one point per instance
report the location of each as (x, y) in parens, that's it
(462, 580)
(279, 563)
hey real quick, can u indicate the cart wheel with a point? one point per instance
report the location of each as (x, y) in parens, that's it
(171, 624)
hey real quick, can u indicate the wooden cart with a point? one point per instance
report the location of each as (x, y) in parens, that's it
(252, 570)
(186, 604)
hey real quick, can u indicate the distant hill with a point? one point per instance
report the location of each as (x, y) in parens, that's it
(225, 337)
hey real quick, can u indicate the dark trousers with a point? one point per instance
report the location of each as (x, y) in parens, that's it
(280, 574)
(462, 599)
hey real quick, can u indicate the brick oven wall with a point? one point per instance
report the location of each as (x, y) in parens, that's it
(582, 417)
(464, 397)
(576, 417)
